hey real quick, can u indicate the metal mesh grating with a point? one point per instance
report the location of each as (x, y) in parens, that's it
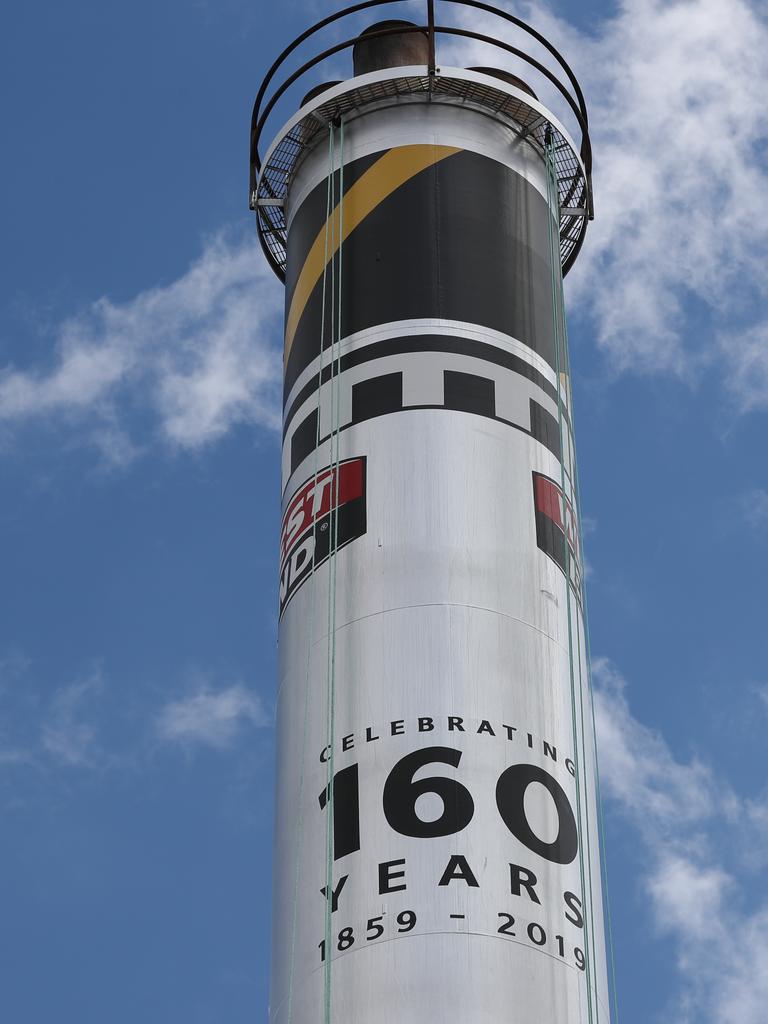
(525, 120)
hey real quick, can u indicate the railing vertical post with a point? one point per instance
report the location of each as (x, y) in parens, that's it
(431, 26)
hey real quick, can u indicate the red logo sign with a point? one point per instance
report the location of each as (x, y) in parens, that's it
(329, 507)
(556, 523)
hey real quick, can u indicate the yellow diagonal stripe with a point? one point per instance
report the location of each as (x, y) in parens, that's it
(389, 172)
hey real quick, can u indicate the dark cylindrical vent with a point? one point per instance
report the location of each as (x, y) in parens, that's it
(401, 49)
(316, 90)
(507, 77)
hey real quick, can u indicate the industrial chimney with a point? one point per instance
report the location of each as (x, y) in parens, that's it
(437, 855)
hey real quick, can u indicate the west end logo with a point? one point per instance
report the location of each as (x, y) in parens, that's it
(326, 513)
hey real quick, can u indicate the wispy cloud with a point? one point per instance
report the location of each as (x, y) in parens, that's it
(198, 356)
(213, 718)
(87, 725)
(754, 508)
(44, 727)
(745, 355)
(69, 733)
(680, 177)
(672, 275)
(679, 131)
(700, 883)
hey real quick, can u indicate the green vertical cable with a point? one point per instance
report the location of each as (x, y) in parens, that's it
(599, 800)
(589, 830)
(553, 200)
(305, 731)
(572, 449)
(329, 699)
(333, 568)
(601, 823)
(598, 795)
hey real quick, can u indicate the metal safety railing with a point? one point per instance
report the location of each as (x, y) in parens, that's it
(575, 191)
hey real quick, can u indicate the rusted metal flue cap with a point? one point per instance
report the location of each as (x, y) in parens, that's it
(392, 51)
(508, 77)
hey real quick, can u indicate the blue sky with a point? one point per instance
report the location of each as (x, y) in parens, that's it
(140, 338)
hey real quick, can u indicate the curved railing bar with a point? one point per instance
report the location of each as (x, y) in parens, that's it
(258, 119)
(281, 89)
(469, 34)
(354, 9)
(577, 105)
(538, 37)
(571, 259)
(586, 149)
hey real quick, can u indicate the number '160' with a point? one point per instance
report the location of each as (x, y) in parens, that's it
(401, 793)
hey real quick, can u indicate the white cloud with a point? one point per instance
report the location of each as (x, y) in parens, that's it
(672, 273)
(213, 719)
(86, 725)
(640, 770)
(42, 728)
(198, 355)
(681, 181)
(68, 733)
(704, 846)
(745, 355)
(679, 127)
(754, 507)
